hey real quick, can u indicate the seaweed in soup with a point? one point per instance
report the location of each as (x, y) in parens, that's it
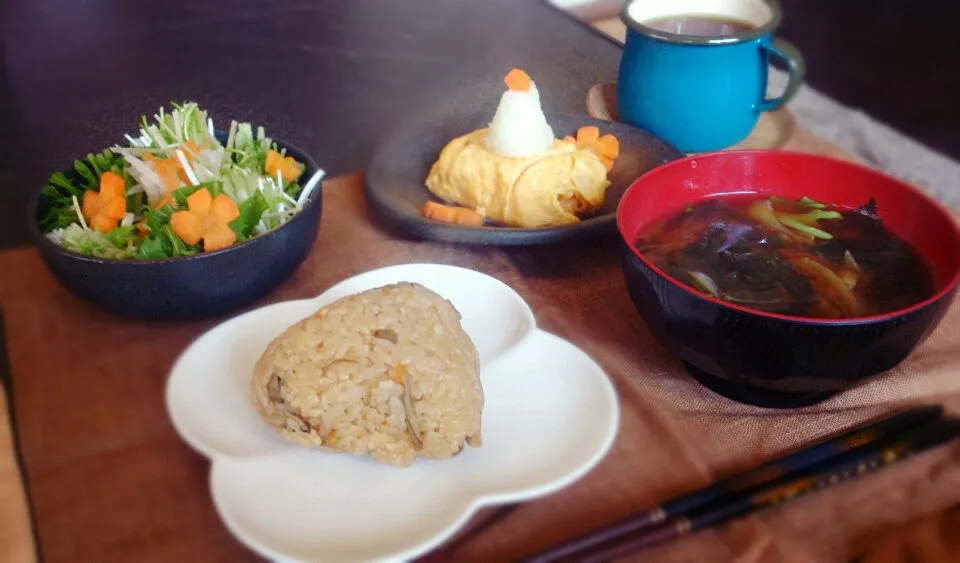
(793, 257)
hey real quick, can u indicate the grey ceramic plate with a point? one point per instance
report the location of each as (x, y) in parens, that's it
(396, 192)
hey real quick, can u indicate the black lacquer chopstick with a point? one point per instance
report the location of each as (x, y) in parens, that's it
(782, 467)
(846, 466)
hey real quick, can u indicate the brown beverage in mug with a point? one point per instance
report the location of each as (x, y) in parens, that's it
(699, 24)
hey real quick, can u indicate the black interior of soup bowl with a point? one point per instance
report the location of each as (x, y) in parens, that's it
(193, 287)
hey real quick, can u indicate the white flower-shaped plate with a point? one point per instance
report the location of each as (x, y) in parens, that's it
(550, 415)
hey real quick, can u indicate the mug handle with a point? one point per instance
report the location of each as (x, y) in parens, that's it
(796, 68)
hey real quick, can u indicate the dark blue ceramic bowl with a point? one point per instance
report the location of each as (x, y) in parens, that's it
(775, 360)
(205, 285)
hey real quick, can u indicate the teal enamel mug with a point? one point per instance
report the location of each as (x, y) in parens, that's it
(694, 72)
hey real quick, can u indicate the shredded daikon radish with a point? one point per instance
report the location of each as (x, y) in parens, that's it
(187, 168)
(76, 207)
(148, 178)
(309, 187)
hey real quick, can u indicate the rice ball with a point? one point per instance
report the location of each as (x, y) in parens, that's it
(388, 372)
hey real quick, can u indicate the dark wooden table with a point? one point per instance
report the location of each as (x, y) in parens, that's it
(333, 76)
(897, 61)
(329, 76)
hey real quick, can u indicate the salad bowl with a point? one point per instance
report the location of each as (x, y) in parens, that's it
(203, 285)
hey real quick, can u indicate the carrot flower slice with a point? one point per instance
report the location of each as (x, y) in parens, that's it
(208, 219)
(287, 166)
(103, 209)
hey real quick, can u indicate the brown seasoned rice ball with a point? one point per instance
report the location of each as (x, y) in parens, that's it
(388, 371)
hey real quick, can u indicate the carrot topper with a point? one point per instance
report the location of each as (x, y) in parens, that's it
(206, 218)
(517, 80)
(519, 128)
(105, 208)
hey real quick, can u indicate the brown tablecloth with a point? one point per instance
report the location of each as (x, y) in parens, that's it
(16, 538)
(110, 480)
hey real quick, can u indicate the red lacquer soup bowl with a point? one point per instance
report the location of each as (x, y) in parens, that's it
(768, 359)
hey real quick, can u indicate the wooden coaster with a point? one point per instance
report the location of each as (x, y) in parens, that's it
(773, 129)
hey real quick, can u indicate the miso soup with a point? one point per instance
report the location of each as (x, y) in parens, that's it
(792, 257)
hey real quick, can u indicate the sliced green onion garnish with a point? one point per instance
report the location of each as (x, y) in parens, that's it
(812, 231)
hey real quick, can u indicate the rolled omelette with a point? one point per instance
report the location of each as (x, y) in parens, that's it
(548, 189)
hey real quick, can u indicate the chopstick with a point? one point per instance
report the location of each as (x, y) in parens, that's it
(851, 464)
(726, 499)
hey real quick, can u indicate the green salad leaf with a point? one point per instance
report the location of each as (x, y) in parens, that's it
(249, 152)
(161, 241)
(251, 210)
(152, 248)
(165, 244)
(60, 191)
(243, 177)
(94, 165)
(62, 213)
(122, 237)
(155, 219)
(119, 243)
(293, 189)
